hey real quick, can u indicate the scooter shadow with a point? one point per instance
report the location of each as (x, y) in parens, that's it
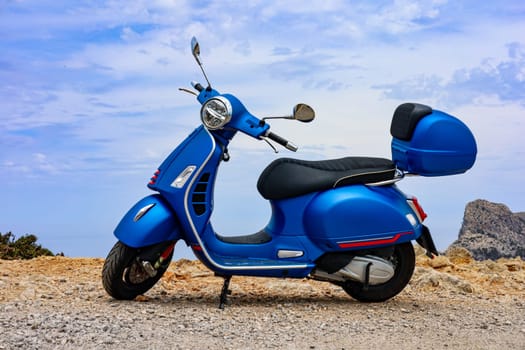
(243, 299)
(267, 300)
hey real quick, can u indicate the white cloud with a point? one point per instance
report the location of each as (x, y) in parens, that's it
(403, 16)
(500, 79)
(43, 165)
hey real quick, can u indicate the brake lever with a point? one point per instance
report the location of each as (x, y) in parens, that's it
(269, 143)
(188, 91)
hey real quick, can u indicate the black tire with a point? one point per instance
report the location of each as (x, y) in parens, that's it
(404, 261)
(123, 277)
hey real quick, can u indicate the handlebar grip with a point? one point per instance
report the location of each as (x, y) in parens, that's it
(282, 141)
(197, 86)
(277, 138)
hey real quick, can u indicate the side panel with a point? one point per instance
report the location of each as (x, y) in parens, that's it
(358, 217)
(148, 222)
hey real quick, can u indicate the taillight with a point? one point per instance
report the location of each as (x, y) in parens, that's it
(154, 178)
(414, 204)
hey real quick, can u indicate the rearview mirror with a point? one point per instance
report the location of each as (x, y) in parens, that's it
(196, 50)
(303, 113)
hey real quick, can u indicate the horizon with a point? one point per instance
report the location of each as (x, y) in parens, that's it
(90, 105)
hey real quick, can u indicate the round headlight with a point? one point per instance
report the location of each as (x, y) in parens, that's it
(216, 112)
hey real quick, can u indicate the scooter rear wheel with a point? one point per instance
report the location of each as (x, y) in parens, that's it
(404, 261)
(123, 277)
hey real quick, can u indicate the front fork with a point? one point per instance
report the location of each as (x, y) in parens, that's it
(151, 260)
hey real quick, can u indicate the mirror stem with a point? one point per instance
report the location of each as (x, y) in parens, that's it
(282, 117)
(205, 77)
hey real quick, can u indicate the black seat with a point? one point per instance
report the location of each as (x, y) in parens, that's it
(287, 177)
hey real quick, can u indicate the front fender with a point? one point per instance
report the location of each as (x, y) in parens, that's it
(148, 222)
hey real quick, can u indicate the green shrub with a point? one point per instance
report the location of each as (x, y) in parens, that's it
(24, 247)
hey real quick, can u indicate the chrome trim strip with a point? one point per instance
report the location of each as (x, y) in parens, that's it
(284, 253)
(181, 179)
(383, 183)
(143, 212)
(204, 251)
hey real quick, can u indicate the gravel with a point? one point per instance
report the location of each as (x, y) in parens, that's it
(54, 310)
(164, 323)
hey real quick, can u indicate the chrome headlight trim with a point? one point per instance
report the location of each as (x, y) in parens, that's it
(216, 112)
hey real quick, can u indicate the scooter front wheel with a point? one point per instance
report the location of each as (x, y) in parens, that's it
(123, 275)
(404, 261)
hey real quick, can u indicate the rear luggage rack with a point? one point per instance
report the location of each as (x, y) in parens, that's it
(398, 176)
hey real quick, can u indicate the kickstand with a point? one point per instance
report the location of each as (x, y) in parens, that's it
(225, 292)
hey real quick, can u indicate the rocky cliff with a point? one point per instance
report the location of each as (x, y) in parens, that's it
(492, 231)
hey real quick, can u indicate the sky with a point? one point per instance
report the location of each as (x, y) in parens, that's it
(89, 101)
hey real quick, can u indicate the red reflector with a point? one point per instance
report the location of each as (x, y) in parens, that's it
(388, 240)
(196, 247)
(167, 252)
(154, 178)
(419, 209)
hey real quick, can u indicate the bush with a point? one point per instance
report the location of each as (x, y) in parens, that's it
(24, 247)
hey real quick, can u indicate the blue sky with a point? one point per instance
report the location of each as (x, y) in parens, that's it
(90, 107)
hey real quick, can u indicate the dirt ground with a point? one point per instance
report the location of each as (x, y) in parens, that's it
(451, 302)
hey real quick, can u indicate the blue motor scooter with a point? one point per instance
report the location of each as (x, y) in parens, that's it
(343, 221)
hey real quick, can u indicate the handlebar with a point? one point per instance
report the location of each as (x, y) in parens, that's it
(268, 134)
(282, 141)
(197, 86)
